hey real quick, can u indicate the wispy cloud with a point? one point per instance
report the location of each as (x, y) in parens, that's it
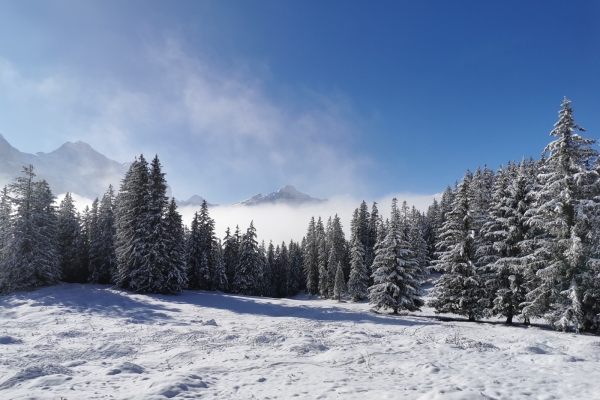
(220, 133)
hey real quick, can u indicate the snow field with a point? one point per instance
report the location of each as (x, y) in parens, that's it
(91, 341)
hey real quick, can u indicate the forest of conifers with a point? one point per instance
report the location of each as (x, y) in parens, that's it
(521, 242)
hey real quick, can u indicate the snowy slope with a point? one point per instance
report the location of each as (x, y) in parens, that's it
(286, 195)
(74, 167)
(91, 341)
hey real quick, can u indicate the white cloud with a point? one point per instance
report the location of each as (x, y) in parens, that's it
(219, 132)
(282, 222)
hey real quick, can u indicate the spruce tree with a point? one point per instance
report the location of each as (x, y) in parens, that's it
(231, 248)
(196, 260)
(246, 281)
(103, 262)
(132, 227)
(396, 285)
(459, 290)
(174, 273)
(219, 278)
(30, 256)
(339, 288)
(566, 212)
(358, 283)
(70, 242)
(311, 258)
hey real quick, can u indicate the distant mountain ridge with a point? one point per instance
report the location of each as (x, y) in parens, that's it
(286, 195)
(78, 168)
(73, 167)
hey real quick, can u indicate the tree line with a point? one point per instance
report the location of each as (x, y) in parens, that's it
(521, 242)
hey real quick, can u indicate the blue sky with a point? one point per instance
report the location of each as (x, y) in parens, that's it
(334, 97)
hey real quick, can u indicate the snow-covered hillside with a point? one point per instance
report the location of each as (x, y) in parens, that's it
(91, 341)
(73, 167)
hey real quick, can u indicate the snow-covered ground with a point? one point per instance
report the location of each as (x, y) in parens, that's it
(91, 341)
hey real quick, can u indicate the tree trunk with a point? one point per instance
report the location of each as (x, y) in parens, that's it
(509, 319)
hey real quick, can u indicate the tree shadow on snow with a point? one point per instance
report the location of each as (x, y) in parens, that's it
(318, 311)
(92, 299)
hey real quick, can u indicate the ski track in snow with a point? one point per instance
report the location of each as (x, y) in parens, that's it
(92, 341)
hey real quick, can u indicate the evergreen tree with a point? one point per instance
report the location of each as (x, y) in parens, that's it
(5, 219)
(231, 247)
(459, 289)
(566, 212)
(175, 278)
(339, 289)
(197, 271)
(219, 280)
(30, 256)
(246, 281)
(103, 263)
(512, 243)
(396, 284)
(70, 241)
(132, 228)
(294, 273)
(311, 258)
(416, 239)
(358, 283)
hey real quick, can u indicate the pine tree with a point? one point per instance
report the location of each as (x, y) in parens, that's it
(174, 273)
(459, 290)
(231, 247)
(5, 219)
(248, 265)
(358, 283)
(132, 228)
(294, 273)
(396, 284)
(416, 239)
(103, 262)
(269, 275)
(196, 260)
(566, 211)
(30, 256)
(339, 289)
(311, 258)
(219, 279)
(513, 245)
(70, 242)
(281, 270)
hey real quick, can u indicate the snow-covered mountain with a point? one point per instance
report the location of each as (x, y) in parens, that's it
(286, 195)
(195, 200)
(73, 167)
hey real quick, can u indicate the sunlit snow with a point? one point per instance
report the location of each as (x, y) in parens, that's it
(91, 341)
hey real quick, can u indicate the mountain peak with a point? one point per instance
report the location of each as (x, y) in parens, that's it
(286, 195)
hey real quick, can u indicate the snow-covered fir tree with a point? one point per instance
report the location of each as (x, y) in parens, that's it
(197, 272)
(175, 279)
(396, 285)
(358, 283)
(294, 273)
(459, 290)
(219, 274)
(281, 269)
(339, 288)
(246, 275)
(30, 256)
(103, 262)
(231, 249)
(566, 212)
(311, 258)
(70, 242)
